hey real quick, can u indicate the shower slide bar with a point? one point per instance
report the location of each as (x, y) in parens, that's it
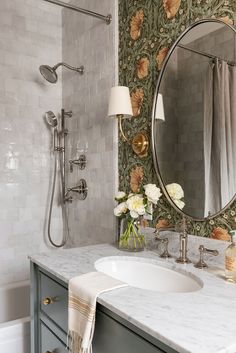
(107, 18)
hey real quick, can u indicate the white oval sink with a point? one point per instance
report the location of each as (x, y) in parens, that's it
(144, 273)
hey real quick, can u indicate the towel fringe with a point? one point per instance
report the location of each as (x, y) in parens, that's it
(74, 343)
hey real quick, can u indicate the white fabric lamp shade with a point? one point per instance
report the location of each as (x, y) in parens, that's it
(120, 102)
(160, 113)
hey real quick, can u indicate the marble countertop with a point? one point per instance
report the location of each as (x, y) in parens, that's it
(196, 322)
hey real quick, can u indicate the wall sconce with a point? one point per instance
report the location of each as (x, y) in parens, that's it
(121, 108)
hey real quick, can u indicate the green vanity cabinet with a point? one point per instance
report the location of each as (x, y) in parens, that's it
(49, 322)
(49, 342)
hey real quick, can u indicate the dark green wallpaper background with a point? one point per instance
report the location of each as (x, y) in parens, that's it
(147, 29)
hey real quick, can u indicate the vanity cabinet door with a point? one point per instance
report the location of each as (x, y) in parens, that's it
(49, 342)
(112, 337)
(54, 301)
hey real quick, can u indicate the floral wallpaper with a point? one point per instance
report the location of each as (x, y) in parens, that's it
(147, 30)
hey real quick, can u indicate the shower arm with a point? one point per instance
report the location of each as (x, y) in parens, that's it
(78, 69)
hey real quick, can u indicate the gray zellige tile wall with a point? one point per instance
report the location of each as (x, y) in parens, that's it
(90, 42)
(30, 35)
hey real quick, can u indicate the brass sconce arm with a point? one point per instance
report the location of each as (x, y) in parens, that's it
(139, 143)
(120, 118)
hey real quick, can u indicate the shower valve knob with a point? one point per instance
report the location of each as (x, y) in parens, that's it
(81, 162)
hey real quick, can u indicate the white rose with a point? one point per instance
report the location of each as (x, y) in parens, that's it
(120, 209)
(120, 195)
(179, 203)
(175, 191)
(152, 192)
(136, 206)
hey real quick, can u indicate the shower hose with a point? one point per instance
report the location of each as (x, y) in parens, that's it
(57, 155)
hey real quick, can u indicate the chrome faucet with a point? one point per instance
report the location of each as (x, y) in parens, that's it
(183, 248)
(183, 258)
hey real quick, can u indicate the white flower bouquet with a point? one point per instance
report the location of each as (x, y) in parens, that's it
(131, 207)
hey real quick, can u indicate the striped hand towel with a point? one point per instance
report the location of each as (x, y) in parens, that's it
(83, 292)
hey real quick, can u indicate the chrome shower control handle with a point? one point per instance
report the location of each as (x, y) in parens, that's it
(81, 162)
(81, 190)
(201, 263)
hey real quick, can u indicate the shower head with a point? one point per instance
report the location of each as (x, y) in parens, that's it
(51, 119)
(49, 73)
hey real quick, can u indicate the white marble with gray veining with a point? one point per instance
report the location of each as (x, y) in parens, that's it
(196, 322)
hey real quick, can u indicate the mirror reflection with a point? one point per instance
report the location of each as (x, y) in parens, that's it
(194, 120)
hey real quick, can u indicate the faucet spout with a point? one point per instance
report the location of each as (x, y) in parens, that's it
(183, 249)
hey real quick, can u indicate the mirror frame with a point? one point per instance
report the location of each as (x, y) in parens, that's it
(153, 138)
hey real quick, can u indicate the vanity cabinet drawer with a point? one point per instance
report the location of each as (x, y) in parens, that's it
(54, 301)
(112, 337)
(49, 343)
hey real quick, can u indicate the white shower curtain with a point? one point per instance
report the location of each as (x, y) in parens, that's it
(219, 136)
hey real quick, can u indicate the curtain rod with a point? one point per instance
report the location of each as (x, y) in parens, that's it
(107, 18)
(204, 54)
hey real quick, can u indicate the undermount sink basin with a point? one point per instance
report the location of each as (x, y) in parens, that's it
(146, 274)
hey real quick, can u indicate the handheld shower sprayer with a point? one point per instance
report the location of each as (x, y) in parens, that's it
(59, 134)
(52, 121)
(49, 73)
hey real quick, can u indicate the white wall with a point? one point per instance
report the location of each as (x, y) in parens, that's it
(30, 35)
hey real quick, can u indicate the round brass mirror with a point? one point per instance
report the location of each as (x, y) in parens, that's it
(194, 120)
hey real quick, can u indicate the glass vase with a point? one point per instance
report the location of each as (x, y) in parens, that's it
(131, 238)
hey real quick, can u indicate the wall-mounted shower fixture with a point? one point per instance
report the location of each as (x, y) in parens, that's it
(79, 157)
(81, 189)
(81, 162)
(107, 18)
(49, 73)
(60, 133)
(52, 121)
